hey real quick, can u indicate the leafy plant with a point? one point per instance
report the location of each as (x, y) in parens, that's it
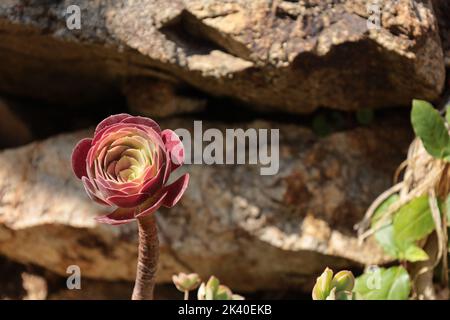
(410, 219)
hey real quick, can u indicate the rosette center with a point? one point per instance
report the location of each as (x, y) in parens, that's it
(127, 159)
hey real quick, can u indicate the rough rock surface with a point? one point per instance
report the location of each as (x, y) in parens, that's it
(252, 231)
(285, 55)
(161, 98)
(28, 282)
(13, 130)
(442, 9)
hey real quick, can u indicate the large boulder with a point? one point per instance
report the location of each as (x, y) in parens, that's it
(285, 55)
(252, 231)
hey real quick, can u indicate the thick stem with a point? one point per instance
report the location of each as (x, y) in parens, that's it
(147, 259)
(186, 295)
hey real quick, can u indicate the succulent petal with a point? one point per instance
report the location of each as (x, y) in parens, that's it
(176, 190)
(79, 155)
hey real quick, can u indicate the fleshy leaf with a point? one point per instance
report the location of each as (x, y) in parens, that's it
(343, 281)
(119, 216)
(174, 147)
(128, 201)
(322, 288)
(79, 156)
(91, 192)
(176, 190)
(211, 288)
(110, 121)
(153, 206)
(143, 121)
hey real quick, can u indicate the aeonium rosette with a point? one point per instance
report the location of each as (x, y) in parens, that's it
(127, 164)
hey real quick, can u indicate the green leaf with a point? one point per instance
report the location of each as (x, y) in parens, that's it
(413, 253)
(385, 238)
(413, 221)
(401, 251)
(383, 284)
(429, 126)
(385, 235)
(384, 206)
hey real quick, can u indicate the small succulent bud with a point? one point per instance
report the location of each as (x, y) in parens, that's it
(332, 295)
(323, 287)
(223, 293)
(201, 293)
(208, 291)
(213, 290)
(186, 282)
(343, 281)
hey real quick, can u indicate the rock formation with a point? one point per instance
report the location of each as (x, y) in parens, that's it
(276, 55)
(232, 222)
